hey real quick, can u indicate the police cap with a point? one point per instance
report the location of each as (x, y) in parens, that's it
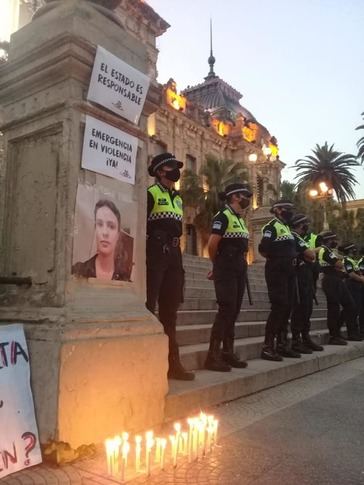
(163, 159)
(236, 188)
(298, 219)
(281, 204)
(326, 235)
(347, 246)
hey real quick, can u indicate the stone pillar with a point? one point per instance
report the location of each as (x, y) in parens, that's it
(98, 357)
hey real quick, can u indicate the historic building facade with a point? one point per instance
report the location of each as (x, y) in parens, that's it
(208, 120)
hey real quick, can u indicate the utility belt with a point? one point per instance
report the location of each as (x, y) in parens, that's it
(330, 271)
(164, 239)
(231, 250)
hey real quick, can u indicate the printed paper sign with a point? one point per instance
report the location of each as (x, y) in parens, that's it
(19, 441)
(118, 86)
(109, 151)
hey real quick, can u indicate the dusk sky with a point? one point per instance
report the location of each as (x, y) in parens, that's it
(298, 63)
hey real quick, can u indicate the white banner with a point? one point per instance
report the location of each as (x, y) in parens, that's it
(117, 86)
(109, 151)
(19, 442)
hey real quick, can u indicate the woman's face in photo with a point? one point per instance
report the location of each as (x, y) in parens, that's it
(107, 231)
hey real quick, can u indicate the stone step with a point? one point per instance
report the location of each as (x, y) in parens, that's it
(196, 334)
(193, 356)
(210, 304)
(209, 293)
(255, 285)
(212, 388)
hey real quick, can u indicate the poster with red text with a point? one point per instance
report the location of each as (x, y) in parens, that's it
(19, 441)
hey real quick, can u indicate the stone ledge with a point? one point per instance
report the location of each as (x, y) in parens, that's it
(211, 388)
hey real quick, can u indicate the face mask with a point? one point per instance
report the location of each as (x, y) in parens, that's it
(244, 203)
(305, 228)
(173, 175)
(286, 215)
(333, 244)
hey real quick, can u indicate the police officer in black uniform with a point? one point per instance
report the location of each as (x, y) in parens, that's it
(165, 274)
(354, 283)
(279, 248)
(303, 296)
(228, 247)
(336, 292)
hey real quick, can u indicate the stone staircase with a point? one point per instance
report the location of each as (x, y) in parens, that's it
(194, 322)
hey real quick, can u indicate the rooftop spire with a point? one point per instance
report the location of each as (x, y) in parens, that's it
(211, 59)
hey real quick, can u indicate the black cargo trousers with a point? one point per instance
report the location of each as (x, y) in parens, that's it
(302, 302)
(230, 271)
(165, 284)
(281, 279)
(337, 296)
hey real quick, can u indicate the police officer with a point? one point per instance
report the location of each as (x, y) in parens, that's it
(165, 274)
(303, 296)
(279, 248)
(336, 292)
(228, 246)
(361, 268)
(314, 243)
(354, 283)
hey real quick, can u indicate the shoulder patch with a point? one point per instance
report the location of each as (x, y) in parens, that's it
(217, 225)
(267, 233)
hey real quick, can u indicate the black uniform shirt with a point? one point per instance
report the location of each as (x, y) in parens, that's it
(219, 225)
(330, 258)
(273, 245)
(171, 227)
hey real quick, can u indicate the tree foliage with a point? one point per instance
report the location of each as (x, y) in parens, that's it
(330, 166)
(361, 143)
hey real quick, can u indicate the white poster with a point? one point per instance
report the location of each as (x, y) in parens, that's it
(117, 86)
(19, 442)
(109, 151)
(104, 235)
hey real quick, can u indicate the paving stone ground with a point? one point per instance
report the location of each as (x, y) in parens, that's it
(308, 431)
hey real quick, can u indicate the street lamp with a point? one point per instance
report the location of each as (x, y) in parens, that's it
(253, 157)
(323, 192)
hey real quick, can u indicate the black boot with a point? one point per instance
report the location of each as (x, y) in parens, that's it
(213, 359)
(354, 338)
(300, 347)
(308, 342)
(176, 369)
(285, 351)
(229, 357)
(268, 351)
(337, 341)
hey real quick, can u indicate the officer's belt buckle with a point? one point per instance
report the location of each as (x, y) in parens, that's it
(175, 242)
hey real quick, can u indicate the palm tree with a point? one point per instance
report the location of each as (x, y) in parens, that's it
(329, 166)
(201, 191)
(361, 143)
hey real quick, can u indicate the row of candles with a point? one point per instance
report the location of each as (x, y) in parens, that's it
(193, 444)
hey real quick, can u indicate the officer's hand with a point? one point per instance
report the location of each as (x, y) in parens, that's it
(210, 275)
(309, 255)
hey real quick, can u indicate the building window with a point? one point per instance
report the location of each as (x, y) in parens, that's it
(191, 163)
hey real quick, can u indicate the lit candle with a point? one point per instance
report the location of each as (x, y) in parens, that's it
(195, 439)
(210, 430)
(190, 422)
(148, 447)
(109, 448)
(184, 442)
(138, 449)
(157, 456)
(163, 449)
(117, 444)
(124, 458)
(216, 424)
(174, 446)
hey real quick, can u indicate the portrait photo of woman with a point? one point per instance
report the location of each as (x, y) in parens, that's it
(112, 247)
